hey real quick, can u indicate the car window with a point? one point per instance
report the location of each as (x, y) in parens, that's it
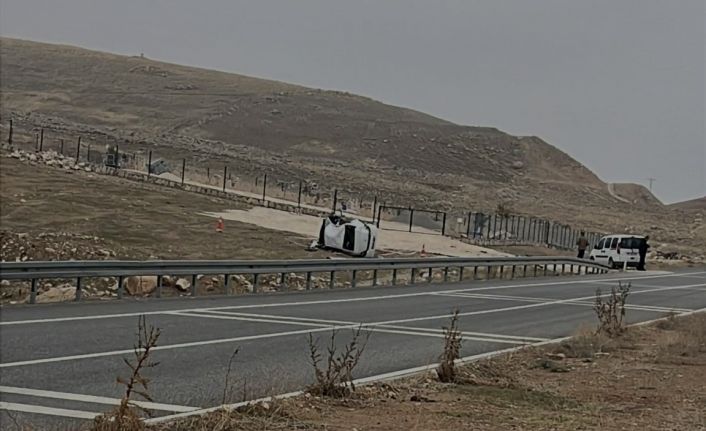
(614, 244)
(630, 242)
(600, 243)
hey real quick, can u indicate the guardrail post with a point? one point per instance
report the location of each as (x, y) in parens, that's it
(283, 280)
(120, 286)
(255, 280)
(332, 281)
(226, 283)
(535, 269)
(394, 275)
(353, 278)
(502, 270)
(524, 274)
(446, 274)
(512, 274)
(78, 288)
(193, 285)
(375, 277)
(460, 273)
(431, 275)
(545, 269)
(571, 268)
(475, 273)
(308, 277)
(33, 292)
(159, 286)
(563, 268)
(488, 273)
(414, 275)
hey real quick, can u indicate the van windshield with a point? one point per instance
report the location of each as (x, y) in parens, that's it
(630, 242)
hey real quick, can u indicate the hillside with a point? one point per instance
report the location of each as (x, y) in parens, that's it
(698, 204)
(336, 139)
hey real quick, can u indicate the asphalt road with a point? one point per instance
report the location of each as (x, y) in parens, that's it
(59, 362)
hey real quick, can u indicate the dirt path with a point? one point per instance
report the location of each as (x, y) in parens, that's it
(388, 239)
(611, 190)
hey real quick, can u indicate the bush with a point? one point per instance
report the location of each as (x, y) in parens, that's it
(336, 378)
(610, 312)
(452, 347)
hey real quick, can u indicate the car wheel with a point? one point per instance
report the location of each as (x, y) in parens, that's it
(611, 263)
(591, 258)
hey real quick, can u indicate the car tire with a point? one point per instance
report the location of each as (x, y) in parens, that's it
(611, 263)
(591, 258)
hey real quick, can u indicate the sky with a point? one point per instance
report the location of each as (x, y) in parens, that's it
(618, 84)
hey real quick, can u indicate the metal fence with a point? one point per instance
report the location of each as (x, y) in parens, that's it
(482, 228)
(507, 267)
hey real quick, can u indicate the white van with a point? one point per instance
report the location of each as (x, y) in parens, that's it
(615, 250)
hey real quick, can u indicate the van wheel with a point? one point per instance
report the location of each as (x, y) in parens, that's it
(591, 258)
(611, 263)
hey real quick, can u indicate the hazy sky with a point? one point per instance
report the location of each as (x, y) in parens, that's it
(618, 84)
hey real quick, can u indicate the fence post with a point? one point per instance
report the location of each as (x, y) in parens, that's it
(117, 156)
(443, 225)
(78, 148)
(208, 174)
(149, 163)
(9, 136)
(264, 188)
(225, 176)
(61, 147)
(380, 214)
(335, 199)
(375, 204)
(41, 139)
(299, 196)
(411, 218)
(88, 153)
(183, 170)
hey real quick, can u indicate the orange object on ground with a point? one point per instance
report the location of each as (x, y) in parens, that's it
(220, 225)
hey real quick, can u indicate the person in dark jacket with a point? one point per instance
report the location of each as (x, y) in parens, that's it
(644, 246)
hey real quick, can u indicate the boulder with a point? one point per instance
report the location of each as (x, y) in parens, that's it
(182, 285)
(138, 286)
(57, 294)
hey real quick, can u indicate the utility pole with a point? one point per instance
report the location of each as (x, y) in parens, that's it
(651, 180)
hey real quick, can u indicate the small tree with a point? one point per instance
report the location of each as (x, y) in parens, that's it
(125, 417)
(611, 311)
(452, 349)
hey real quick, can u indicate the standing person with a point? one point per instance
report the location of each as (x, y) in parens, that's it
(644, 246)
(582, 244)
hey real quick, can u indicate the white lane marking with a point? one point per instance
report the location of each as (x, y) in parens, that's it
(402, 330)
(280, 334)
(51, 411)
(386, 376)
(637, 307)
(480, 336)
(92, 399)
(323, 301)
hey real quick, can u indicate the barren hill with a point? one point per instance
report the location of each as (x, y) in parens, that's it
(698, 204)
(337, 139)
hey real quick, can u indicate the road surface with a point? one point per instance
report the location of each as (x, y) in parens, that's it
(59, 362)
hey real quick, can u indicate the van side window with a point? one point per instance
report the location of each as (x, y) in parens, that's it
(614, 244)
(600, 243)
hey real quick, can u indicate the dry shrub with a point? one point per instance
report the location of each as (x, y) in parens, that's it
(584, 344)
(452, 347)
(126, 417)
(611, 311)
(500, 371)
(335, 379)
(270, 416)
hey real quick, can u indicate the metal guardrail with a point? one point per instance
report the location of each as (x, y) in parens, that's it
(79, 270)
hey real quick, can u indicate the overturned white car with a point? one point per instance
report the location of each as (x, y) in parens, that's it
(350, 236)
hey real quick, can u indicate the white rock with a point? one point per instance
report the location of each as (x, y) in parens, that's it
(137, 286)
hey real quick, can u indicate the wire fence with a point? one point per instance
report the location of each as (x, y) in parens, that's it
(482, 228)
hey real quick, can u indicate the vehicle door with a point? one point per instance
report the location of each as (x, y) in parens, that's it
(598, 253)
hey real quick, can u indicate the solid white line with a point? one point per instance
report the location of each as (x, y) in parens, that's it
(401, 330)
(305, 331)
(326, 301)
(637, 307)
(92, 399)
(52, 411)
(478, 335)
(388, 376)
